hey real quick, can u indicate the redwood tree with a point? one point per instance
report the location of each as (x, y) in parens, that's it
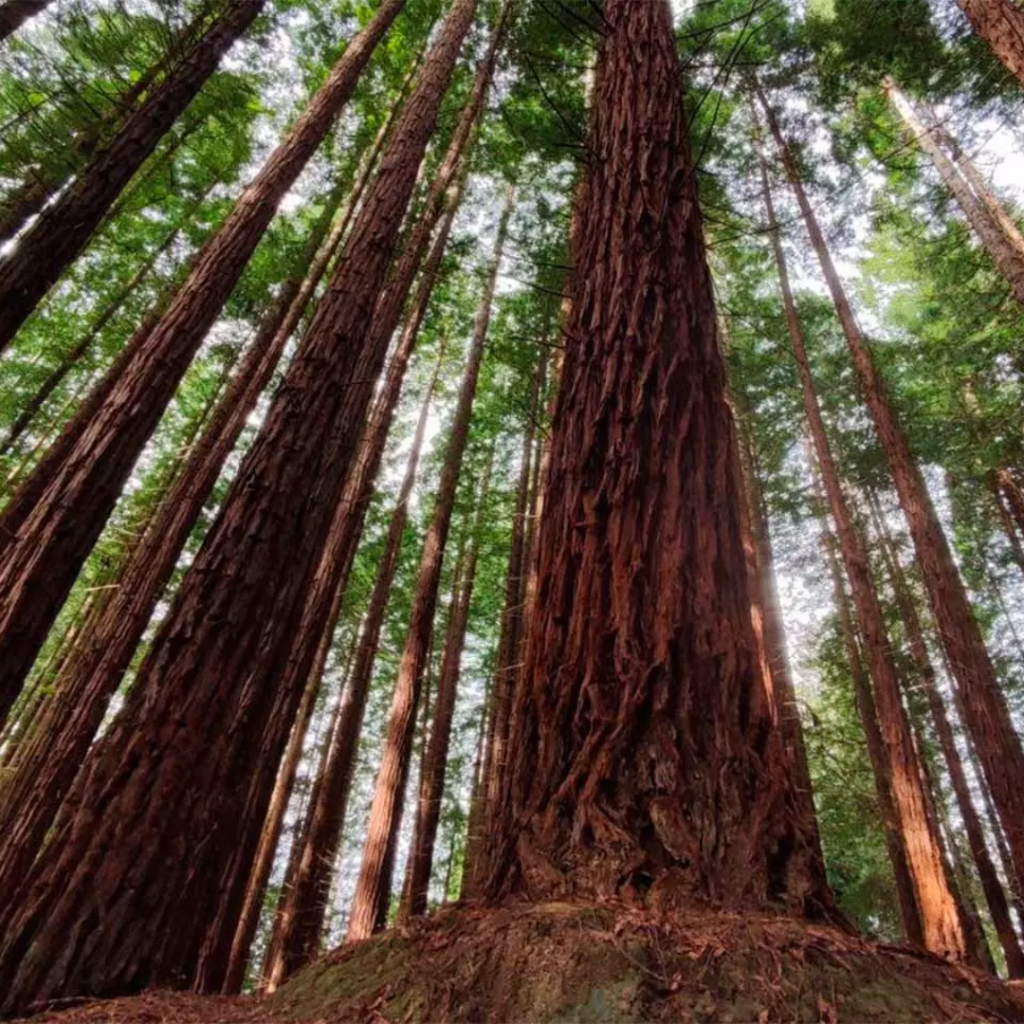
(49, 528)
(1001, 24)
(644, 760)
(61, 232)
(153, 849)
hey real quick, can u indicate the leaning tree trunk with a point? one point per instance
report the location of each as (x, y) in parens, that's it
(1007, 257)
(943, 929)
(985, 710)
(1001, 24)
(14, 14)
(381, 839)
(49, 765)
(167, 792)
(52, 537)
(435, 756)
(643, 761)
(299, 921)
(62, 231)
(995, 896)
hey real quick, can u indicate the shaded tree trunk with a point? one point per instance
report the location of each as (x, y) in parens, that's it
(643, 760)
(1001, 24)
(51, 539)
(381, 839)
(943, 929)
(170, 794)
(435, 758)
(14, 14)
(62, 231)
(1007, 257)
(995, 897)
(299, 921)
(985, 710)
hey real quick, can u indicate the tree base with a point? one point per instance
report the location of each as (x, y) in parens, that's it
(590, 963)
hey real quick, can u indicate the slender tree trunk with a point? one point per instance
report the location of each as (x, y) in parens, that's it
(1008, 258)
(73, 357)
(62, 231)
(384, 813)
(985, 710)
(643, 762)
(14, 14)
(1001, 24)
(1006, 519)
(435, 759)
(943, 930)
(300, 915)
(995, 897)
(50, 763)
(53, 539)
(157, 806)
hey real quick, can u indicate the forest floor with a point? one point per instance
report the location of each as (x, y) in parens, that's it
(590, 963)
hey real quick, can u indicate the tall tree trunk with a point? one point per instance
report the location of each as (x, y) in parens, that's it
(985, 711)
(50, 764)
(50, 540)
(910, 915)
(81, 348)
(378, 851)
(943, 929)
(995, 897)
(643, 761)
(171, 791)
(1001, 24)
(300, 915)
(435, 758)
(1007, 257)
(14, 14)
(62, 231)
(1006, 519)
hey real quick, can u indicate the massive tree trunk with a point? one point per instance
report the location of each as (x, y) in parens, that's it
(32, 267)
(51, 539)
(172, 788)
(644, 762)
(378, 852)
(14, 14)
(1007, 257)
(298, 923)
(995, 896)
(48, 766)
(910, 915)
(1001, 24)
(943, 929)
(985, 710)
(435, 756)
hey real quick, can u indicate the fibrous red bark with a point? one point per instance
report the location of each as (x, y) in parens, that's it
(46, 541)
(171, 789)
(1001, 24)
(378, 852)
(643, 761)
(985, 710)
(61, 232)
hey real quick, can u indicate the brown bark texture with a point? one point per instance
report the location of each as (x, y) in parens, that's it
(943, 929)
(1007, 257)
(435, 757)
(378, 851)
(48, 766)
(53, 539)
(300, 916)
(62, 231)
(995, 896)
(1001, 24)
(643, 760)
(193, 726)
(14, 14)
(985, 710)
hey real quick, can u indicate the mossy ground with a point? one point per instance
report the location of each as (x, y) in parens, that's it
(575, 963)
